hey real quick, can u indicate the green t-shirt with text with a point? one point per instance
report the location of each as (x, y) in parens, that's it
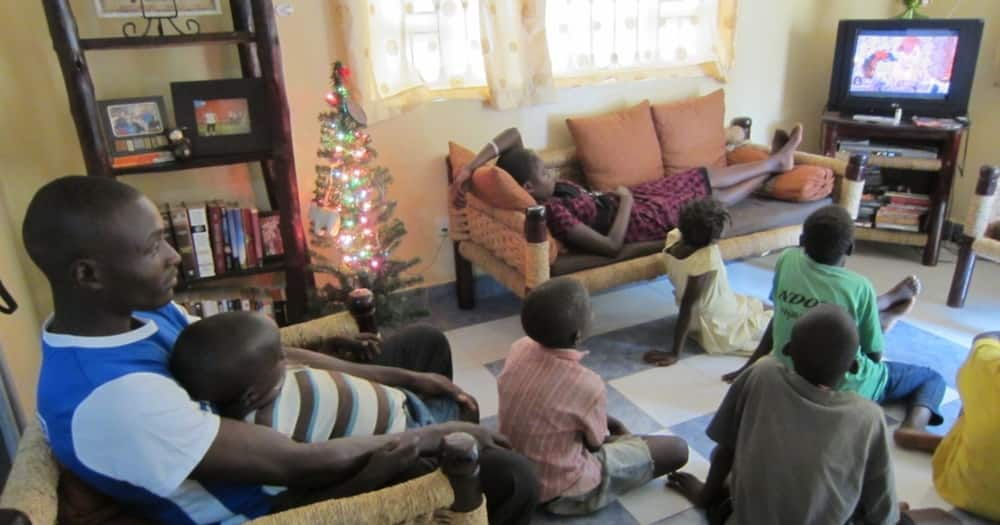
(800, 284)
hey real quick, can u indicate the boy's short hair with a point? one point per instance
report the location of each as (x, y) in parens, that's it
(557, 312)
(519, 162)
(68, 216)
(702, 221)
(828, 234)
(217, 358)
(823, 344)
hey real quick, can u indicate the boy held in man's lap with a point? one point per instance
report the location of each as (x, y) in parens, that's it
(554, 410)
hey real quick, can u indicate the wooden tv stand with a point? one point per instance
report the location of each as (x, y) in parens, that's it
(947, 141)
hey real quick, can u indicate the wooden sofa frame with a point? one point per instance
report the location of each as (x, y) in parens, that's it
(513, 247)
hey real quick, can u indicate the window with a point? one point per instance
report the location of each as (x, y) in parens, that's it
(594, 37)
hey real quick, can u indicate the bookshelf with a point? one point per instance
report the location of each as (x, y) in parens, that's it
(935, 175)
(256, 36)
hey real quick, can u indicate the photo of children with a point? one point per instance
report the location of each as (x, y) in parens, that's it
(135, 119)
(222, 116)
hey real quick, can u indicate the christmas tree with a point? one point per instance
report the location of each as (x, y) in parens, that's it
(352, 225)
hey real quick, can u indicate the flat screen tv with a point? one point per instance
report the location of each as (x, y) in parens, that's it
(925, 66)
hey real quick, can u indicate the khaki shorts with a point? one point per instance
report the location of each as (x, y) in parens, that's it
(625, 465)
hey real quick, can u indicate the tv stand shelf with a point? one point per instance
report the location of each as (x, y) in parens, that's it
(941, 170)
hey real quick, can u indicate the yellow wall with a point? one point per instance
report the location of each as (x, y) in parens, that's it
(783, 53)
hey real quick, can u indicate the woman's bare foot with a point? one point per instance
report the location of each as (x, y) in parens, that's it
(778, 140)
(913, 439)
(786, 154)
(687, 485)
(659, 358)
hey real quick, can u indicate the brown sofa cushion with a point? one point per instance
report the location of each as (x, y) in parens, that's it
(496, 187)
(750, 215)
(800, 184)
(459, 156)
(691, 132)
(617, 149)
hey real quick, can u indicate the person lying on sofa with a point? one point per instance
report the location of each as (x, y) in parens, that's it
(114, 416)
(602, 223)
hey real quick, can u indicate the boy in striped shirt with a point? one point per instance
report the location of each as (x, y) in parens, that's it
(554, 410)
(235, 361)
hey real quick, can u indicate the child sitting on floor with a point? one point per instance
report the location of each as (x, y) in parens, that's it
(235, 361)
(554, 410)
(814, 274)
(798, 450)
(720, 320)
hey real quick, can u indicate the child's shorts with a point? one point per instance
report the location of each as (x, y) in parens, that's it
(625, 465)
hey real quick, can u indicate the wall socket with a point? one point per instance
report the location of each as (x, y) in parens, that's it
(442, 226)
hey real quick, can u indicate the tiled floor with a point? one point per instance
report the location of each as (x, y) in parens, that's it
(681, 399)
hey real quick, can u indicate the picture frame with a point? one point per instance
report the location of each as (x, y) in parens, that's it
(156, 8)
(134, 125)
(223, 116)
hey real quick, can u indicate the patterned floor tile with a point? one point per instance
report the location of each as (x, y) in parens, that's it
(673, 394)
(614, 513)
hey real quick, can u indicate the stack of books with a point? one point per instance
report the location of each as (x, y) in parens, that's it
(870, 204)
(206, 303)
(902, 211)
(214, 239)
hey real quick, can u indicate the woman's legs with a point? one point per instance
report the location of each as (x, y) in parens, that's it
(738, 192)
(753, 172)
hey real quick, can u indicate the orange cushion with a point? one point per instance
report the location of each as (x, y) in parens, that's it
(617, 149)
(691, 132)
(800, 184)
(459, 156)
(744, 154)
(496, 187)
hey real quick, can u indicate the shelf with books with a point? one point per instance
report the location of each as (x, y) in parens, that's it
(268, 267)
(194, 163)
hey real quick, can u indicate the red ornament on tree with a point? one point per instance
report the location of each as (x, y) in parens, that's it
(332, 99)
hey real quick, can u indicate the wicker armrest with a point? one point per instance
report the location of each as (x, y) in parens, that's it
(32, 485)
(519, 239)
(980, 212)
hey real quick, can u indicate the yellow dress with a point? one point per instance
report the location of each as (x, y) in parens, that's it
(967, 462)
(724, 322)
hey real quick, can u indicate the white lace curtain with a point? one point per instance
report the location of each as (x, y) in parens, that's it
(515, 52)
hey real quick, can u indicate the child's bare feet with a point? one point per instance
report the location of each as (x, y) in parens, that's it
(914, 439)
(898, 301)
(778, 140)
(786, 154)
(687, 485)
(659, 358)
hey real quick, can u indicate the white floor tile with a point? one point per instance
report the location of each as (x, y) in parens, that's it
(478, 382)
(654, 502)
(673, 394)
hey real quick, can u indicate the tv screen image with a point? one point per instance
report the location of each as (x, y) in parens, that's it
(903, 64)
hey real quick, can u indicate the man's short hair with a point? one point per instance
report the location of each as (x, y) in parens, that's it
(68, 216)
(519, 162)
(828, 234)
(702, 221)
(216, 358)
(823, 344)
(556, 312)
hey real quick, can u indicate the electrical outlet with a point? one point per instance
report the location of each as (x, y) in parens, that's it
(442, 226)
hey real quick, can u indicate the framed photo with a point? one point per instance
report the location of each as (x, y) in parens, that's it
(134, 8)
(133, 125)
(223, 116)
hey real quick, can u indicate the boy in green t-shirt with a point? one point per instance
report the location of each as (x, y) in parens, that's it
(814, 274)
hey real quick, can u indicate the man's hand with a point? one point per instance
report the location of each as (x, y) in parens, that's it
(486, 437)
(360, 348)
(386, 462)
(616, 427)
(435, 385)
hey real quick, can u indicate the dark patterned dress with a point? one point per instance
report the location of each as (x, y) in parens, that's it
(655, 209)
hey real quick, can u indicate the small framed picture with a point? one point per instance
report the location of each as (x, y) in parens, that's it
(223, 116)
(133, 125)
(135, 9)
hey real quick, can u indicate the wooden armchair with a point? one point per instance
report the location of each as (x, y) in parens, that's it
(451, 494)
(514, 248)
(980, 238)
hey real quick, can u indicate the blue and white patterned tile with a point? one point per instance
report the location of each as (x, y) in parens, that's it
(634, 418)
(653, 501)
(693, 431)
(672, 394)
(613, 513)
(688, 517)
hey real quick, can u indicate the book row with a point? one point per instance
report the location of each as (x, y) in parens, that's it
(268, 301)
(214, 238)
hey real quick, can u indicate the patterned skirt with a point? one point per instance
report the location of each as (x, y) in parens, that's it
(657, 204)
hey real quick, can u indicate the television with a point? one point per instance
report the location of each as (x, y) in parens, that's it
(923, 66)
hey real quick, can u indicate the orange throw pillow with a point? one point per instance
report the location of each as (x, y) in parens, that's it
(691, 133)
(800, 184)
(496, 187)
(745, 154)
(459, 156)
(617, 149)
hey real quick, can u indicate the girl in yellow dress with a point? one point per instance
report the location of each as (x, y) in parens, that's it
(720, 320)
